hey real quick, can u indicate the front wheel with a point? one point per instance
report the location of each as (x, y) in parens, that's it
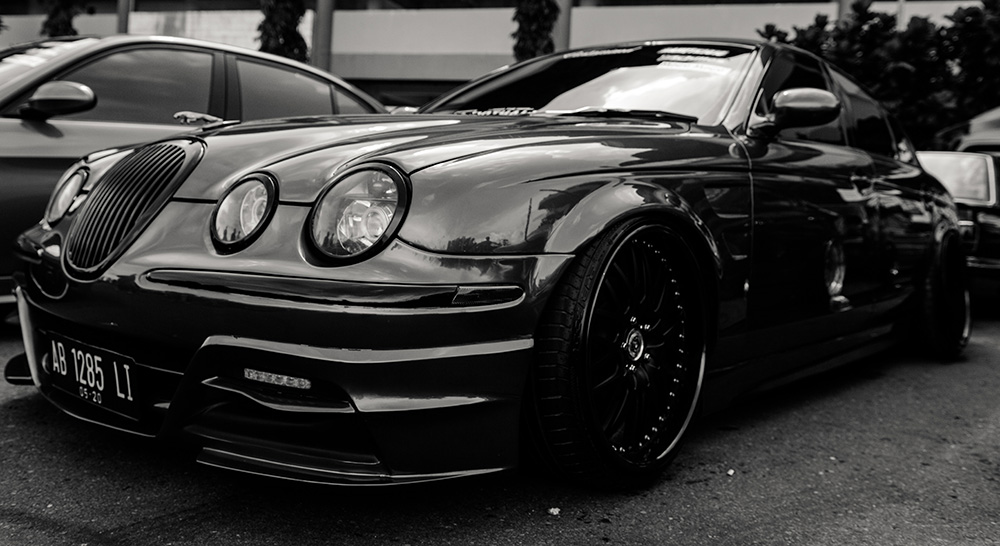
(620, 357)
(944, 317)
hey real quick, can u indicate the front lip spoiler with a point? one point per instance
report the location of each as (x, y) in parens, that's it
(262, 466)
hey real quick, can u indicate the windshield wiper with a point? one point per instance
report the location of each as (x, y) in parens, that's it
(593, 112)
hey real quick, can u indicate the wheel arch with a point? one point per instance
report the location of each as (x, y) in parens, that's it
(642, 200)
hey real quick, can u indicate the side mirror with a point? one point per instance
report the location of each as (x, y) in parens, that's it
(799, 107)
(58, 98)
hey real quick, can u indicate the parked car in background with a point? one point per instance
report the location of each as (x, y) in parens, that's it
(62, 98)
(979, 134)
(574, 254)
(972, 180)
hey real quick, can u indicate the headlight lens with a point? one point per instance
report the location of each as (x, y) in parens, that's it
(66, 191)
(359, 213)
(243, 212)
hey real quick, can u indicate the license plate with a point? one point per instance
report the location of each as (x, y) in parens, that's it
(101, 377)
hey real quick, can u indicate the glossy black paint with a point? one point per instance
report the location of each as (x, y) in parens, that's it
(421, 352)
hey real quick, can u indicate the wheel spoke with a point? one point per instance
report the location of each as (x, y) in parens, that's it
(666, 295)
(641, 274)
(607, 363)
(612, 378)
(615, 423)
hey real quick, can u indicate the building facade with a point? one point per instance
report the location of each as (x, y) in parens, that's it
(406, 51)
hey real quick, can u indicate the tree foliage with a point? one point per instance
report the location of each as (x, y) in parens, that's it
(972, 44)
(930, 77)
(535, 20)
(60, 14)
(279, 31)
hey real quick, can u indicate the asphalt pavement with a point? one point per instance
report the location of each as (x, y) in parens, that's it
(895, 450)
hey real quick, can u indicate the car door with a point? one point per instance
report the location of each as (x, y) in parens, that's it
(138, 90)
(815, 226)
(905, 226)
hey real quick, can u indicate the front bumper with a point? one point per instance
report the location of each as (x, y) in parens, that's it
(407, 383)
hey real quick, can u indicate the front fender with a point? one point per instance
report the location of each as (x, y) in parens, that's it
(563, 214)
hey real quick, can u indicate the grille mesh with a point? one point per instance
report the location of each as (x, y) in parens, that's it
(121, 204)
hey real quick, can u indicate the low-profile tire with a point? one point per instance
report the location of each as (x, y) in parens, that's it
(944, 315)
(620, 358)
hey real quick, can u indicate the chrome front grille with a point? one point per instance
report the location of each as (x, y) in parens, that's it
(123, 202)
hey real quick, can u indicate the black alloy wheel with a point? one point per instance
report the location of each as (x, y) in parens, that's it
(620, 357)
(945, 312)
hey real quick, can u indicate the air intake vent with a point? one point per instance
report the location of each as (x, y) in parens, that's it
(123, 202)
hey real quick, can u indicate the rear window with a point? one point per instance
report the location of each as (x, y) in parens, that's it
(965, 175)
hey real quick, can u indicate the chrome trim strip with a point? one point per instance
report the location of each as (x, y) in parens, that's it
(148, 281)
(27, 334)
(372, 356)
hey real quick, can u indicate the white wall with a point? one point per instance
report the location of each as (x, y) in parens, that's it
(233, 27)
(601, 25)
(25, 28)
(460, 44)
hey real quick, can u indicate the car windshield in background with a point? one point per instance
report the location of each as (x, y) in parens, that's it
(18, 60)
(965, 175)
(685, 79)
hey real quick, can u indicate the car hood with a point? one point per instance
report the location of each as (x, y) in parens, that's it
(305, 153)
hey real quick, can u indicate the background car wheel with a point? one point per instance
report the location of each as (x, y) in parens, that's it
(620, 357)
(944, 314)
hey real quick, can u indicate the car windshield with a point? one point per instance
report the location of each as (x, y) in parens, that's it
(695, 80)
(18, 60)
(966, 176)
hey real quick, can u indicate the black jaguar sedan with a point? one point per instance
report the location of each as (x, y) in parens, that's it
(574, 255)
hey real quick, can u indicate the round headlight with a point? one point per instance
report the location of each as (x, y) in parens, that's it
(66, 191)
(359, 212)
(243, 212)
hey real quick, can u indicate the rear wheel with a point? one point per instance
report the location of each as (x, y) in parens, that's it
(944, 312)
(620, 357)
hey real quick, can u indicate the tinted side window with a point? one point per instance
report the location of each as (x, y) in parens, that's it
(788, 72)
(146, 85)
(270, 92)
(872, 128)
(346, 104)
(871, 125)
